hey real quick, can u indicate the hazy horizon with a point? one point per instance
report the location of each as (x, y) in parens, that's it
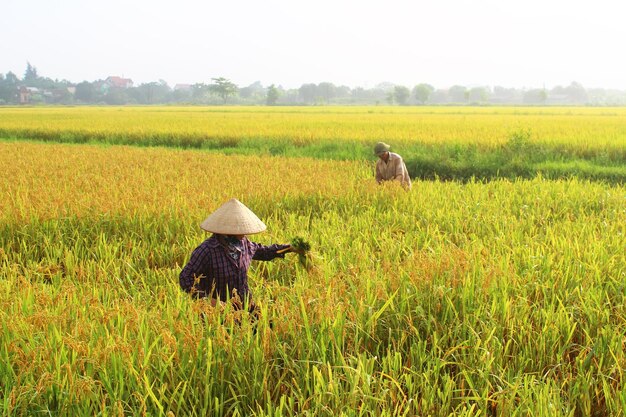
(353, 43)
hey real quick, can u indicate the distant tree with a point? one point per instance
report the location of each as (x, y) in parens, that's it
(390, 98)
(343, 92)
(181, 95)
(8, 88)
(478, 94)
(33, 79)
(150, 93)
(359, 93)
(308, 92)
(327, 91)
(535, 96)
(597, 95)
(439, 96)
(502, 95)
(223, 88)
(61, 95)
(458, 94)
(30, 75)
(116, 96)
(378, 94)
(401, 94)
(290, 96)
(558, 91)
(576, 93)
(253, 91)
(3, 100)
(199, 91)
(422, 92)
(46, 83)
(85, 92)
(11, 78)
(272, 95)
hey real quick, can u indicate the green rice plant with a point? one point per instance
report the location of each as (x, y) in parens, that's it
(302, 247)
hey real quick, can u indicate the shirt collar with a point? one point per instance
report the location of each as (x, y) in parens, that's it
(214, 242)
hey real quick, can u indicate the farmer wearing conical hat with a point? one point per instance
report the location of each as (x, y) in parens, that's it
(218, 268)
(390, 166)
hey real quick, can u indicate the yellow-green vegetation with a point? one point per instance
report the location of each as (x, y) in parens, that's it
(575, 127)
(444, 142)
(499, 298)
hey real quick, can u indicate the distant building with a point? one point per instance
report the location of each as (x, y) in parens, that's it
(29, 94)
(118, 82)
(24, 95)
(59, 95)
(182, 87)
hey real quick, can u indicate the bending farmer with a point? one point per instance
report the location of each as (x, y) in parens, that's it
(390, 166)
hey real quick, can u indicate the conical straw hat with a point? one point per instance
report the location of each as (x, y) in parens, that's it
(233, 218)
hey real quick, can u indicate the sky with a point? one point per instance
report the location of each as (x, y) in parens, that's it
(520, 44)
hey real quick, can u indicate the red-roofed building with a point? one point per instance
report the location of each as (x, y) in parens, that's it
(118, 82)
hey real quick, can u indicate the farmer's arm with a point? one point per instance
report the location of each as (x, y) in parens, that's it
(379, 175)
(267, 253)
(399, 170)
(193, 272)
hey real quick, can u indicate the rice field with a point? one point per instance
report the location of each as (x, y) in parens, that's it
(472, 298)
(451, 143)
(574, 128)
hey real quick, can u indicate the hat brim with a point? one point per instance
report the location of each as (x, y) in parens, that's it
(233, 218)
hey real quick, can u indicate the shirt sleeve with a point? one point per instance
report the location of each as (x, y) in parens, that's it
(406, 181)
(379, 175)
(266, 253)
(194, 270)
(399, 173)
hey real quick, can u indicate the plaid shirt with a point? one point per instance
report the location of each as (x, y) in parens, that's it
(211, 271)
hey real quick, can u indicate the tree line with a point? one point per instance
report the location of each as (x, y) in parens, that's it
(35, 89)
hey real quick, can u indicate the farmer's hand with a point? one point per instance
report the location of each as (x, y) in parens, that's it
(295, 250)
(289, 248)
